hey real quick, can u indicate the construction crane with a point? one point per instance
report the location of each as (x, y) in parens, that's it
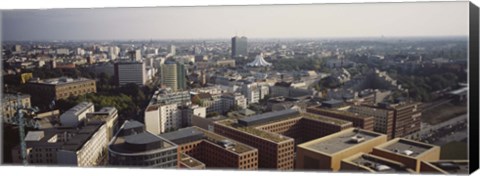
(20, 121)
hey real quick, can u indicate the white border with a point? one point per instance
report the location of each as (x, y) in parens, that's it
(49, 4)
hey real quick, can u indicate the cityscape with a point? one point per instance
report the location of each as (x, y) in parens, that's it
(373, 104)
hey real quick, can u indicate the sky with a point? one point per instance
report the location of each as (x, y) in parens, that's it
(215, 22)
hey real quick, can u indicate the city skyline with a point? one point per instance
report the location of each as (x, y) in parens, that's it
(168, 23)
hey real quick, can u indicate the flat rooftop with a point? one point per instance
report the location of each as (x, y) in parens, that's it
(79, 108)
(191, 134)
(407, 147)
(341, 140)
(269, 116)
(184, 135)
(190, 161)
(55, 138)
(379, 164)
(165, 97)
(60, 81)
(339, 112)
(325, 119)
(253, 131)
(131, 139)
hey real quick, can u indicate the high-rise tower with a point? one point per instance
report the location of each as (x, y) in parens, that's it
(239, 47)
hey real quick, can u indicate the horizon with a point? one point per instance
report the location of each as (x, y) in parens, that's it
(355, 38)
(370, 20)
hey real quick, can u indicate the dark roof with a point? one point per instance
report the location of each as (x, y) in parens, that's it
(132, 138)
(283, 84)
(183, 135)
(79, 136)
(269, 116)
(132, 124)
(142, 138)
(332, 103)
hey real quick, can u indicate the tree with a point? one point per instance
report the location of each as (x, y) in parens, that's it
(212, 114)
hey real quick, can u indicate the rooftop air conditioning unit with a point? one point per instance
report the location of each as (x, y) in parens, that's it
(382, 168)
(357, 139)
(408, 152)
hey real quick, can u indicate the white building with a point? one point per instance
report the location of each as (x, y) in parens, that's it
(131, 72)
(109, 115)
(75, 115)
(80, 52)
(62, 51)
(113, 52)
(230, 100)
(83, 147)
(137, 55)
(251, 92)
(163, 112)
(88, 152)
(259, 62)
(160, 118)
(171, 50)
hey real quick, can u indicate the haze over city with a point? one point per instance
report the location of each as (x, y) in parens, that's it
(280, 21)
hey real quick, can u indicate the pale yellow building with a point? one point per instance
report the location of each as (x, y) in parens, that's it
(363, 162)
(408, 152)
(327, 152)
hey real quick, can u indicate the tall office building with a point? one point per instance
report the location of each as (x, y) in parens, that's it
(130, 72)
(169, 75)
(239, 46)
(173, 75)
(172, 50)
(113, 52)
(181, 77)
(138, 55)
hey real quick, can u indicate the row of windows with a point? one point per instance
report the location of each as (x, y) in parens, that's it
(254, 154)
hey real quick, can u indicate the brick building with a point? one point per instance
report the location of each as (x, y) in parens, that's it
(213, 150)
(276, 133)
(365, 122)
(59, 88)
